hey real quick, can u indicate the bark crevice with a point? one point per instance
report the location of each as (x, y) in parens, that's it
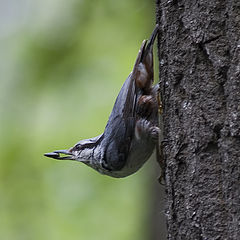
(199, 68)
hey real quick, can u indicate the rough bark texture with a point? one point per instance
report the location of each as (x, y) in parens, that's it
(199, 55)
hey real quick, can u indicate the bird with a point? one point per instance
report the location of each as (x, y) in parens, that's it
(132, 130)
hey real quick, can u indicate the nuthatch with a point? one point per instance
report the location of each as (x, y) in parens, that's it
(132, 130)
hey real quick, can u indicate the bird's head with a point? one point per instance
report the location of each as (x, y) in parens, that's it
(87, 151)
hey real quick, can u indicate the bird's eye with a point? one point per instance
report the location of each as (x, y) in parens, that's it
(78, 147)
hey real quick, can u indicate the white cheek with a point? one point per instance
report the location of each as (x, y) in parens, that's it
(86, 154)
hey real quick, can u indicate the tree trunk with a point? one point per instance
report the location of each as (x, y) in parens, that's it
(199, 56)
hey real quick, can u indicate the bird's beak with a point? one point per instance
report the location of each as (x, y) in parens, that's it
(58, 155)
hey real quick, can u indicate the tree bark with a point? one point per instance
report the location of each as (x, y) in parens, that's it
(199, 56)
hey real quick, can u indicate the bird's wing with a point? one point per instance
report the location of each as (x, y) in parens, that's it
(120, 128)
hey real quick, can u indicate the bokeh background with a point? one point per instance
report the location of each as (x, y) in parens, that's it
(62, 64)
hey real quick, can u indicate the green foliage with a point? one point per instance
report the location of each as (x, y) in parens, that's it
(63, 65)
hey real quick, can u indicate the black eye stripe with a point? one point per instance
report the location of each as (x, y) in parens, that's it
(88, 145)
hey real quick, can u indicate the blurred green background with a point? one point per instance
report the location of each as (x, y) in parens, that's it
(62, 65)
